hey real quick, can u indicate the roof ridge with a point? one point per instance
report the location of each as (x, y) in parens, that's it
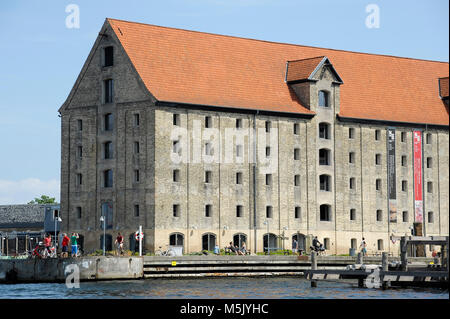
(316, 57)
(275, 42)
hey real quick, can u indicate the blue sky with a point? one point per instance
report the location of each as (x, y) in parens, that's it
(41, 57)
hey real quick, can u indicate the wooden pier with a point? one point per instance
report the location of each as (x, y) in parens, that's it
(387, 275)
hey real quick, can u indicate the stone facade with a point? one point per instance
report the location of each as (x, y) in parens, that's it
(168, 197)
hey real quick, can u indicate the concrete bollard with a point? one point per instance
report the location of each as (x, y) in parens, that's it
(384, 267)
(313, 267)
(359, 258)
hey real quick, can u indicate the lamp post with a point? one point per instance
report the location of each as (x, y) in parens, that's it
(57, 219)
(268, 241)
(103, 219)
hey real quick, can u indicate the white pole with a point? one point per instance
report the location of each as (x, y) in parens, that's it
(140, 240)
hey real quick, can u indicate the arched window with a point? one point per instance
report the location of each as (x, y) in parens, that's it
(323, 98)
(301, 240)
(238, 239)
(208, 241)
(325, 212)
(324, 156)
(176, 239)
(269, 242)
(107, 213)
(324, 130)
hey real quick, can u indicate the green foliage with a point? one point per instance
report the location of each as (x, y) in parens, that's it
(43, 200)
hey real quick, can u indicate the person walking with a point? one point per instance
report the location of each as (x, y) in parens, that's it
(294, 246)
(119, 243)
(363, 246)
(48, 244)
(74, 243)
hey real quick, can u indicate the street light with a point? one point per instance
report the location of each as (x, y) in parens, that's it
(57, 219)
(268, 241)
(103, 219)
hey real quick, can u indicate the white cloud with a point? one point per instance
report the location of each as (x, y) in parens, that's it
(24, 191)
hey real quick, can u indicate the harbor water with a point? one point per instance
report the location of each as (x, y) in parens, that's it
(213, 288)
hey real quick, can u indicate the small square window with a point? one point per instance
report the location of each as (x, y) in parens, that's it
(268, 126)
(108, 56)
(430, 217)
(268, 179)
(239, 150)
(208, 122)
(239, 211)
(377, 159)
(351, 157)
(297, 212)
(108, 122)
(267, 151)
(238, 178)
(208, 210)
(430, 187)
(404, 159)
(269, 211)
(429, 138)
(208, 176)
(296, 180)
(108, 91)
(80, 151)
(404, 186)
(238, 123)
(136, 176)
(176, 210)
(136, 119)
(80, 125)
(296, 128)
(79, 212)
(176, 119)
(296, 154)
(378, 184)
(429, 162)
(351, 133)
(352, 214)
(136, 147)
(136, 210)
(352, 183)
(405, 216)
(377, 135)
(79, 179)
(379, 215)
(403, 137)
(176, 175)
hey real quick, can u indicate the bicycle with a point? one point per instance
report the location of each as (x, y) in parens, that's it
(168, 252)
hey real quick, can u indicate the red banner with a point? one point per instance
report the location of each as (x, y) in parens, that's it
(418, 196)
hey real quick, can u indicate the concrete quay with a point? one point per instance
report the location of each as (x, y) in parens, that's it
(116, 268)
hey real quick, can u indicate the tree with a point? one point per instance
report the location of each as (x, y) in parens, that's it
(43, 200)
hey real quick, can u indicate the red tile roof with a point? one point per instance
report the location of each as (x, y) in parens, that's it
(209, 69)
(302, 69)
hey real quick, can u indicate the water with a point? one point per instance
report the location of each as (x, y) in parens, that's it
(214, 288)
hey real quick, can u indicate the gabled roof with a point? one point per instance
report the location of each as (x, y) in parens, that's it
(306, 69)
(214, 70)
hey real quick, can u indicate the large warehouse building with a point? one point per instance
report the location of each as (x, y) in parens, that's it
(205, 139)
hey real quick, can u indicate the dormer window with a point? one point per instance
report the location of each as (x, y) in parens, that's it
(323, 99)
